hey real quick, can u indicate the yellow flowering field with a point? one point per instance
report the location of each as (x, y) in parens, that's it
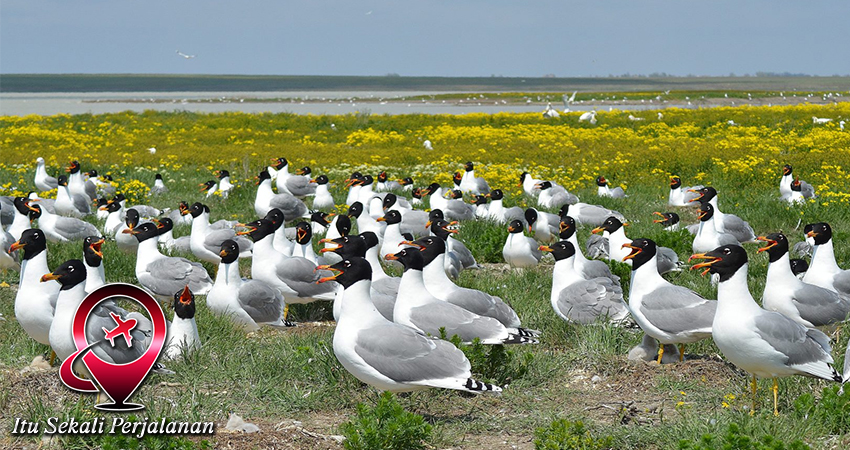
(698, 145)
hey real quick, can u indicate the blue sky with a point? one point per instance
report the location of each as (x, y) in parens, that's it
(425, 37)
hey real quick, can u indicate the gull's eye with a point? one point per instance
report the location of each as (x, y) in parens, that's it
(727, 250)
(70, 268)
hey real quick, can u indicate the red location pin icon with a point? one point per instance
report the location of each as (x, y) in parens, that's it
(118, 380)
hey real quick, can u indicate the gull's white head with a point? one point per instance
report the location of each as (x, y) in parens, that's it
(39, 160)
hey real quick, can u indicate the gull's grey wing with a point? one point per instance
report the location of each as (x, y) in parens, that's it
(597, 246)
(7, 210)
(807, 189)
(799, 345)
(535, 249)
(667, 259)
(587, 300)
(841, 282)
(300, 186)
(515, 213)
(91, 190)
(456, 321)
(820, 306)
(675, 309)
(168, 275)
(481, 185)
(81, 203)
(74, 229)
(413, 222)
(384, 293)
(301, 276)
(403, 355)
(693, 229)
(563, 197)
(737, 227)
(618, 192)
(464, 255)
(452, 265)
(148, 211)
(291, 207)
(727, 239)
(458, 210)
(593, 214)
(483, 304)
(598, 269)
(262, 302)
(100, 318)
(214, 239)
(802, 249)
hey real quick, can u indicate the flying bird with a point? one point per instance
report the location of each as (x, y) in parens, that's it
(179, 53)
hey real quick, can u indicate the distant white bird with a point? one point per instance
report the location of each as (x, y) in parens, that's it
(152, 150)
(660, 116)
(550, 113)
(427, 145)
(185, 55)
(841, 125)
(820, 121)
(589, 116)
(569, 101)
(732, 123)
(636, 119)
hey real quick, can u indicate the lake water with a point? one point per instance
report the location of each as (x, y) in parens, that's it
(314, 102)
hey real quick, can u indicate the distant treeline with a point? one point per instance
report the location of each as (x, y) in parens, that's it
(393, 82)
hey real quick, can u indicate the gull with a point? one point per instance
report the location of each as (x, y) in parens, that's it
(603, 190)
(669, 220)
(613, 239)
(182, 336)
(550, 113)
(34, 302)
(785, 186)
(164, 275)
(469, 183)
(179, 53)
(427, 145)
(542, 224)
(820, 121)
(205, 242)
(552, 195)
(588, 268)
(636, 119)
(387, 355)
(248, 303)
(669, 313)
(569, 101)
(496, 211)
(589, 116)
(764, 343)
(725, 223)
(806, 304)
(824, 271)
(158, 186)
(454, 247)
(578, 300)
(681, 196)
(384, 288)
(418, 309)
(291, 207)
(43, 181)
(588, 214)
(707, 237)
(440, 286)
(520, 251)
(59, 228)
(93, 258)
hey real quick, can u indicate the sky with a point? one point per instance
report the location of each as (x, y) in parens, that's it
(426, 37)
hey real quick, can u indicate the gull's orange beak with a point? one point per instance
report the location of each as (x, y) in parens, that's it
(96, 246)
(770, 243)
(299, 234)
(707, 264)
(536, 185)
(186, 296)
(380, 219)
(248, 229)
(597, 230)
(16, 246)
(49, 276)
(545, 248)
(662, 219)
(129, 230)
(427, 224)
(696, 192)
(635, 251)
(391, 257)
(811, 234)
(223, 252)
(336, 273)
(414, 244)
(300, 172)
(563, 226)
(511, 228)
(530, 229)
(701, 214)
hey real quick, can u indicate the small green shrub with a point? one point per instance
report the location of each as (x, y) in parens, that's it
(563, 434)
(832, 411)
(734, 439)
(387, 426)
(492, 363)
